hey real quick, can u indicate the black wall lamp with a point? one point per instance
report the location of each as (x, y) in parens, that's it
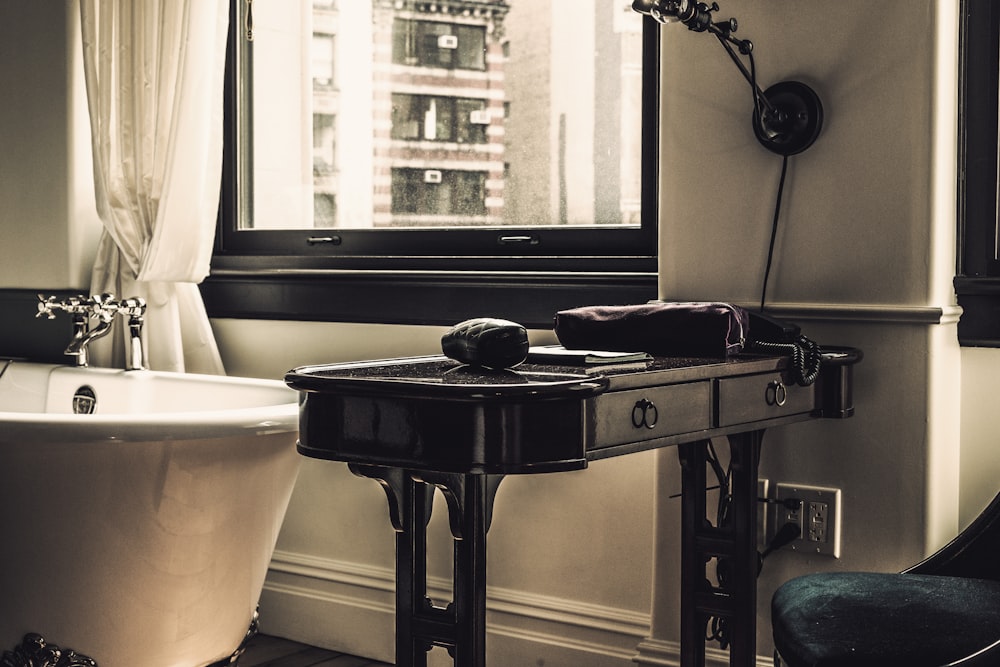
(788, 116)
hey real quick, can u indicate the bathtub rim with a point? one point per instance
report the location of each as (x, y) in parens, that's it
(151, 427)
(183, 424)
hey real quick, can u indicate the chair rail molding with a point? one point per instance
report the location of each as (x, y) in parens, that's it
(865, 313)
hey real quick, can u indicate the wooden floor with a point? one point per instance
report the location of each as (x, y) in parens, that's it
(266, 651)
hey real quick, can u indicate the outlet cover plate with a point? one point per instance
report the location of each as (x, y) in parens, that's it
(819, 518)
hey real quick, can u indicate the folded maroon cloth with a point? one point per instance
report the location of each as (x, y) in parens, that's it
(661, 328)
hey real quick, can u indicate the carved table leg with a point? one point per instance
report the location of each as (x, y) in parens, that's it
(461, 626)
(733, 544)
(693, 459)
(745, 459)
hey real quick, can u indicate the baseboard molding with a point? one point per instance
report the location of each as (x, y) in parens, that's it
(349, 607)
(660, 653)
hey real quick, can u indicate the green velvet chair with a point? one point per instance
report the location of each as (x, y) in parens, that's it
(944, 611)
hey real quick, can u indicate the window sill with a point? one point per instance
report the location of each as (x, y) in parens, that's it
(254, 290)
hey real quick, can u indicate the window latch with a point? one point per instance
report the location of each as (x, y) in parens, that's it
(249, 21)
(519, 239)
(323, 240)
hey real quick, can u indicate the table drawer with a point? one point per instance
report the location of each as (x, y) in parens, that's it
(643, 414)
(752, 397)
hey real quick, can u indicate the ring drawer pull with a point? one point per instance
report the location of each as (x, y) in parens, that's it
(776, 393)
(644, 413)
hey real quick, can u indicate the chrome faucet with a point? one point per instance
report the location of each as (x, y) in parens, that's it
(99, 308)
(92, 319)
(134, 308)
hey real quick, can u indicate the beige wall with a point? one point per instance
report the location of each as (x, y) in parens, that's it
(48, 224)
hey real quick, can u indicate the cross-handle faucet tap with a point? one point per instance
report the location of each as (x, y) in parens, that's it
(81, 308)
(92, 318)
(75, 304)
(101, 310)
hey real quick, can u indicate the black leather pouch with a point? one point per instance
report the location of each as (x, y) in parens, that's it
(486, 342)
(666, 329)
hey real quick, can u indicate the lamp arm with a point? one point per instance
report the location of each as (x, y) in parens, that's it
(745, 46)
(788, 116)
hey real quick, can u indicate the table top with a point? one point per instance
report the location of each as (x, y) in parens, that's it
(437, 376)
(443, 378)
(434, 413)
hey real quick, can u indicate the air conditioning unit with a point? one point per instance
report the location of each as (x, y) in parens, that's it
(447, 42)
(432, 176)
(479, 117)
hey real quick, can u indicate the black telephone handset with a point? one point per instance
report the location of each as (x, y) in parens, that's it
(770, 329)
(770, 334)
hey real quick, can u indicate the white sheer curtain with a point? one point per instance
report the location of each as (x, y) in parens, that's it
(154, 72)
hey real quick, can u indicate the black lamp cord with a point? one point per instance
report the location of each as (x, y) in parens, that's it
(781, 184)
(805, 353)
(774, 230)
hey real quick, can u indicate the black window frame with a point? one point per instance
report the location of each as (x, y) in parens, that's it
(429, 276)
(977, 280)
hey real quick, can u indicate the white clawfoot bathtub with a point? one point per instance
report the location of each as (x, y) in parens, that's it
(139, 535)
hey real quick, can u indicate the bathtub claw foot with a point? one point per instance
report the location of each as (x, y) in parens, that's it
(34, 651)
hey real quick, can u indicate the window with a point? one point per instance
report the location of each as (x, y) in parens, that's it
(323, 145)
(435, 193)
(437, 118)
(385, 144)
(439, 43)
(322, 61)
(978, 279)
(324, 209)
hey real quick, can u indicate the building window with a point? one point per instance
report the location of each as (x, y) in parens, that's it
(324, 144)
(432, 192)
(322, 61)
(495, 139)
(325, 209)
(434, 118)
(978, 280)
(439, 44)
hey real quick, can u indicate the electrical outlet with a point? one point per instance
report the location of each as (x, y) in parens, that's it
(817, 516)
(817, 522)
(763, 513)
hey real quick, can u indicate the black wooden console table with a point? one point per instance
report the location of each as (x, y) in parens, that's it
(420, 423)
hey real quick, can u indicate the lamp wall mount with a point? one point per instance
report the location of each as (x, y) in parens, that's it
(788, 116)
(796, 121)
